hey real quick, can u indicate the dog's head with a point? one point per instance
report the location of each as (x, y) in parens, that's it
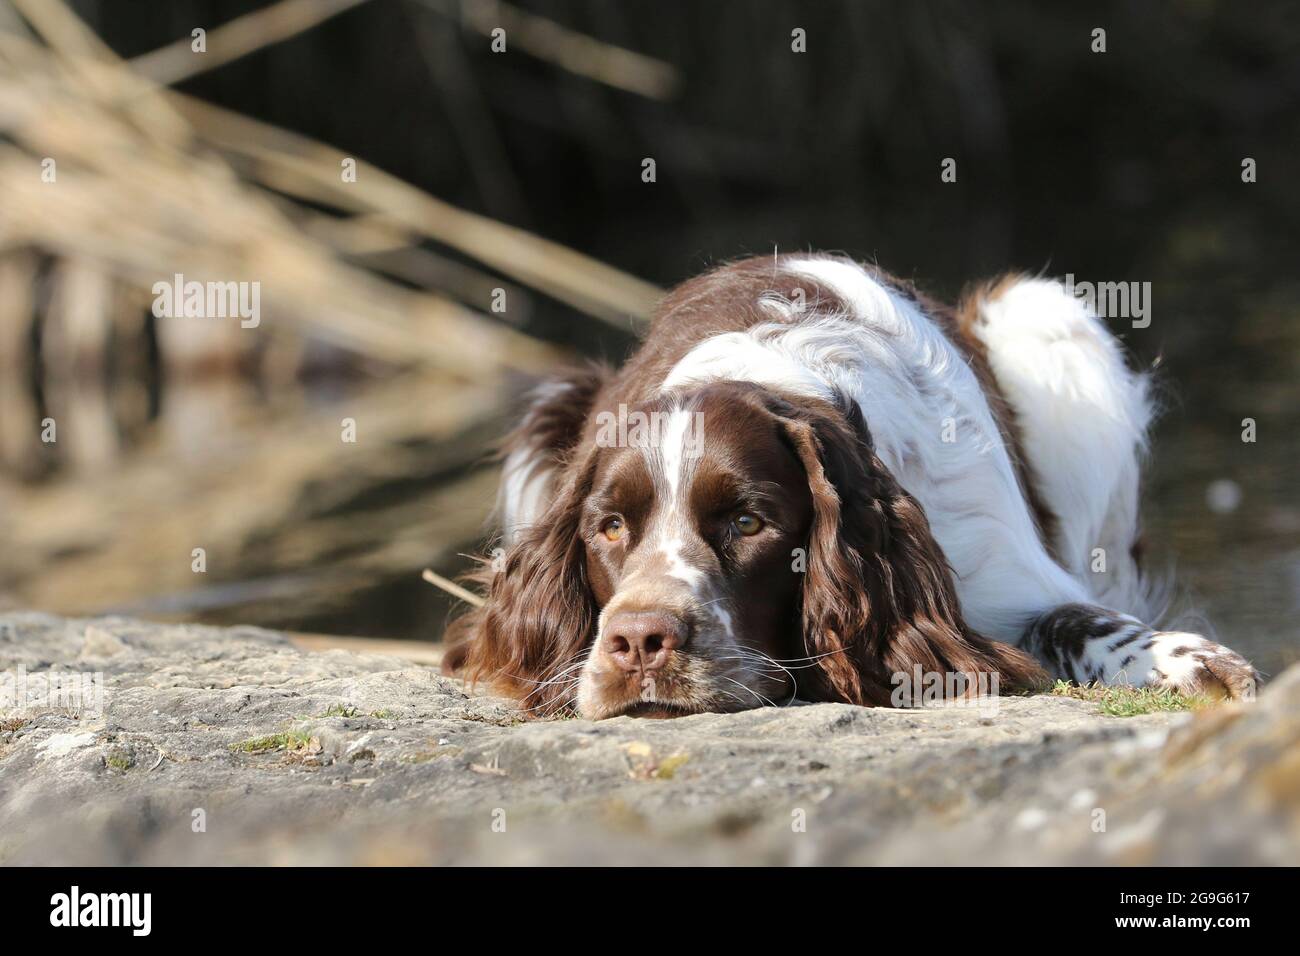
(720, 548)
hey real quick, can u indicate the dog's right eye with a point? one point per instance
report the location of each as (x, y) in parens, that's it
(613, 529)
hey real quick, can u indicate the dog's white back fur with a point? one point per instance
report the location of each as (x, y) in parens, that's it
(1083, 416)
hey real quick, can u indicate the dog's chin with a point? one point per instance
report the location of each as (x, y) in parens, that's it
(605, 708)
(692, 689)
(660, 709)
(653, 710)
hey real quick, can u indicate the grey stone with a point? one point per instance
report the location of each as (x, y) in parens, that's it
(410, 768)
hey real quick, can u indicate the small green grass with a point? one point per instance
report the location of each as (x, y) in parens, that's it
(289, 740)
(341, 710)
(669, 766)
(1131, 701)
(119, 761)
(347, 710)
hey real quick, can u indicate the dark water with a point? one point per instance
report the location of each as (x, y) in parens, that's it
(1224, 513)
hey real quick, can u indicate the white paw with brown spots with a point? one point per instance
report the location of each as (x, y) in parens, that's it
(1191, 664)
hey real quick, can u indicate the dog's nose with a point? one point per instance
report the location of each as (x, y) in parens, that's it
(642, 640)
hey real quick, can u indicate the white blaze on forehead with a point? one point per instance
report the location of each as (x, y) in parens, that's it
(676, 456)
(673, 452)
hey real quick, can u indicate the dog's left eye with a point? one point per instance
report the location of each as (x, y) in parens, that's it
(747, 524)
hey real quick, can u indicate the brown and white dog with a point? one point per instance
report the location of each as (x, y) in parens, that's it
(811, 480)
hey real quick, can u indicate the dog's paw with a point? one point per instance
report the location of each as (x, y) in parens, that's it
(1191, 664)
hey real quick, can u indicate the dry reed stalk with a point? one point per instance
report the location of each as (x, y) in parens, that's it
(146, 216)
(154, 174)
(576, 52)
(300, 281)
(300, 166)
(394, 250)
(238, 38)
(307, 169)
(452, 588)
(83, 56)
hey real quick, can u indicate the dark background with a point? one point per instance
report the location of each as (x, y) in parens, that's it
(1068, 160)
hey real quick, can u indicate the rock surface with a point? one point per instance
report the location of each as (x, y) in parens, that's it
(234, 746)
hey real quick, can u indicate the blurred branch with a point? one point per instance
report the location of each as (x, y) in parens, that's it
(147, 206)
(141, 196)
(103, 75)
(238, 38)
(295, 165)
(568, 49)
(394, 250)
(62, 29)
(303, 167)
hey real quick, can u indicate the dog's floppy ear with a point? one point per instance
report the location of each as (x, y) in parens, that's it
(540, 614)
(878, 597)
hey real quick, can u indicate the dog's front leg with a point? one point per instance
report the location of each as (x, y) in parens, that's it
(1085, 643)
